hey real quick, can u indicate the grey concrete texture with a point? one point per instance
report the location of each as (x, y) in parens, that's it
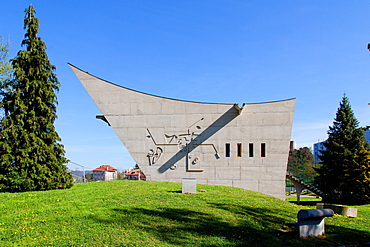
(189, 186)
(311, 222)
(339, 209)
(219, 144)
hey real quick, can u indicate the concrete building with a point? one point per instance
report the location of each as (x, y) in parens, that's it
(317, 147)
(367, 136)
(135, 174)
(243, 146)
(293, 146)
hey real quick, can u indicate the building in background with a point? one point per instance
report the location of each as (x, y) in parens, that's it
(292, 146)
(317, 147)
(135, 174)
(104, 173)
(367, 135)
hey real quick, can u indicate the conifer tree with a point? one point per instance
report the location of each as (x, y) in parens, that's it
(31, 157)
(344, 175)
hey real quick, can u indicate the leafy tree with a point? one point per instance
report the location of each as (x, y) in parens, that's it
(300, 164)
(344, 175)
(5, 68)
(31, 157)
(89, 177)
(120, 176)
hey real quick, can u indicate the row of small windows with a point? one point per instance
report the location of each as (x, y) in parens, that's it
(250, 150)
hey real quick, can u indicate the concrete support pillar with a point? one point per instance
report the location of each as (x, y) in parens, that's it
(299, 191)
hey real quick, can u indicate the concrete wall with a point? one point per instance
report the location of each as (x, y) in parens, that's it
(173, 139)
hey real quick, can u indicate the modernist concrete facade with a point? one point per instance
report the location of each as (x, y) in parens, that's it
(219, 144)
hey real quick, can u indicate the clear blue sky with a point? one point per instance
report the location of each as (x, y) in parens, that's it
(210, 51)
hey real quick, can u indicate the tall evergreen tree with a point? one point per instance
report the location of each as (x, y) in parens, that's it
(31, 157)
(344, 175)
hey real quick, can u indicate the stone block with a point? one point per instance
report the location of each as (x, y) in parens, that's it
(189, 185)
(339, 209)
(312, 228)
(349, 212)
(311, 222)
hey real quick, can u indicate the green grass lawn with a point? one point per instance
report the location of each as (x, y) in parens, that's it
(139, 213)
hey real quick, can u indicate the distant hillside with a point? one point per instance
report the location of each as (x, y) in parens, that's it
(80, 173)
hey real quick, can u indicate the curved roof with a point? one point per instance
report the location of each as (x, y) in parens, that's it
(168, 98)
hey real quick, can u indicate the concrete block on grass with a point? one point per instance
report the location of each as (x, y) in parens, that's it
(189, 185)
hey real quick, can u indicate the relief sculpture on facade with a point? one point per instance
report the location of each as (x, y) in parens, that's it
(243, 146)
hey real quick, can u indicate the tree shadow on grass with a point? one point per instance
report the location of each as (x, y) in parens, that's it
(335, 235)
(224, 225)
(193, 228)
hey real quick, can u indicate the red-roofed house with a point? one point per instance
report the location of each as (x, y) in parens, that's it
(105, 173)
(135, 174)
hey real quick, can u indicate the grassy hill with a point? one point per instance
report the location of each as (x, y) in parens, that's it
(138, 213)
